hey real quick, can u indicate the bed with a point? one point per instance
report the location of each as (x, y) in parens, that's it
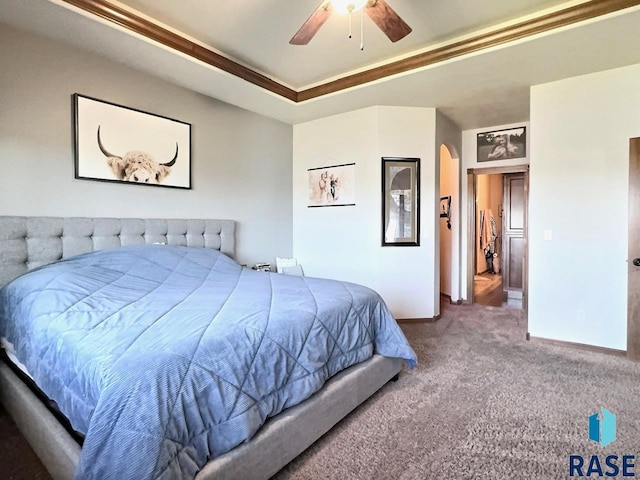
(204, 246)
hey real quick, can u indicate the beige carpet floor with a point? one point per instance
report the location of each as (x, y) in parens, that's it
(17, 460)
(483, 403)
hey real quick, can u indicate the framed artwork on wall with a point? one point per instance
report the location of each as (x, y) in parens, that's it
(332, 186)
(445, 207)
(502, 144)
(114, 143)
(400, 202)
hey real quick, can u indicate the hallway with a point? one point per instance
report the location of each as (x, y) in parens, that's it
(487, 290)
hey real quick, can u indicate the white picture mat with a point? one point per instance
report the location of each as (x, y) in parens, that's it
(345, 190)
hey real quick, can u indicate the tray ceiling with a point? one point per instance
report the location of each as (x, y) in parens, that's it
(257, 32)
(472, 59)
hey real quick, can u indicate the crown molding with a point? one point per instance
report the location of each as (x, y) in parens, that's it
(131, 21)
(561, 18)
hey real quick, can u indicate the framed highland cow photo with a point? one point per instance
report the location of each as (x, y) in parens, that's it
(114, 143)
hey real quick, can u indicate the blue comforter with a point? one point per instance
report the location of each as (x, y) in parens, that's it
(166, 357)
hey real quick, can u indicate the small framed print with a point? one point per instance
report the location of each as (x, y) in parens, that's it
(332, 186)
(445, 207)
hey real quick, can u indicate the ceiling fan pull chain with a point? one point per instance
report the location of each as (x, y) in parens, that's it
(350, 35)
(362, 29)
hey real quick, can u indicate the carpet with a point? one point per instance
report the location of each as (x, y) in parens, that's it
(482, 403)
(17, 460)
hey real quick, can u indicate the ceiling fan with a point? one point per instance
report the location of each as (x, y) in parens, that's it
(378, 10)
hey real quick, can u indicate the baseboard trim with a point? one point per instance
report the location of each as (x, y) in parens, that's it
(418, 320)
(448, 297)
(579, 346)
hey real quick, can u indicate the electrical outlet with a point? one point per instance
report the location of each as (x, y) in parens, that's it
(581, 315)
(548, 234)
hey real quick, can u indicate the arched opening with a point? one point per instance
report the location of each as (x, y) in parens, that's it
(450, 218)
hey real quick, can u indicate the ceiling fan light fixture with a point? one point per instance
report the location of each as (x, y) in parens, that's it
(348, 6)
(377, 10)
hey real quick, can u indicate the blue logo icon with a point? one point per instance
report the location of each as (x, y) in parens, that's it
(602, 427)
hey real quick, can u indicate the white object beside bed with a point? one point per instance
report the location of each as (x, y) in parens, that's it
(282, 263)
(28, 242)
(7, 346)
(294, 270)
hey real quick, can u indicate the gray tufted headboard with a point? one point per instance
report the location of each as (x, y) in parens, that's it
(29, 242)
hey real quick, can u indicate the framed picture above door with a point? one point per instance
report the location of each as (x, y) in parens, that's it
(502, 144)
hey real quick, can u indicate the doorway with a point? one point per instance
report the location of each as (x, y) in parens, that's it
(488, 285)
(497, 236)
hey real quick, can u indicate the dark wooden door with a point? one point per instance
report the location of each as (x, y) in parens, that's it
(513, 236)
(633, 292)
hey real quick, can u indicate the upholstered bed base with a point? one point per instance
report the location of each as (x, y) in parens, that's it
(58, 451)
(29, 242)
(278, 442)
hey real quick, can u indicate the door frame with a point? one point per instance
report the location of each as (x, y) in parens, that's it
(472, 182)
(633, 276)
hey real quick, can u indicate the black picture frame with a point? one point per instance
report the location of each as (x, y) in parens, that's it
(445, 207)
(502, 144)
(400, 202)
(119, 144)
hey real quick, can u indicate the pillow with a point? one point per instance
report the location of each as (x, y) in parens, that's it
(284, 262)
(293, 270)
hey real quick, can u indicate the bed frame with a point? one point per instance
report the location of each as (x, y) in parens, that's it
(29, 242)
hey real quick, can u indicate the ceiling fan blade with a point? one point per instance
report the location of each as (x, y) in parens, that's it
(389, 22)
(312, 25)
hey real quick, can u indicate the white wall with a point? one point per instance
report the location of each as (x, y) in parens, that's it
(338, 242)
(241, 161)
(470, 160)
(579, 191)
(345, 242)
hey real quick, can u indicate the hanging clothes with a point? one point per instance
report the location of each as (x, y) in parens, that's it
(488, 235)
